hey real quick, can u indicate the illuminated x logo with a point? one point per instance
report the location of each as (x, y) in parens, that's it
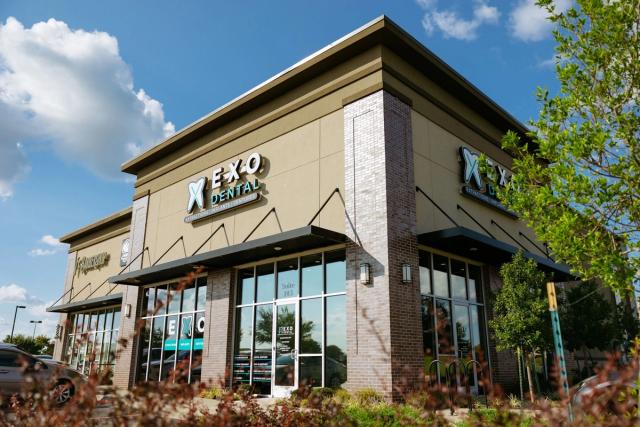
(196, 194)
(471, 167)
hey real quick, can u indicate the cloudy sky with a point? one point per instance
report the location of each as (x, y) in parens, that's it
(84, 86)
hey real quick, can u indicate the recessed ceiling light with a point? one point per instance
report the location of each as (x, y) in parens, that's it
(277, 248)
(473, 249)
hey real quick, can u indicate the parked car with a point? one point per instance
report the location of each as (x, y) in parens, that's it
(20, 370)
(599, 389)
(43, 356)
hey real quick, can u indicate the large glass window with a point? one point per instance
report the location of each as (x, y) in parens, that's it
(452, 321)
(313, 286)
(94, 352)
(171, 341)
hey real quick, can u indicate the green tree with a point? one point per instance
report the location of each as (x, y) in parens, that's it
(576, 177)
(40, 345)
(587, 320)
(521, 320)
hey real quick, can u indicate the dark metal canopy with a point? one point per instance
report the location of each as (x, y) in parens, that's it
(300, 239)
(471, 244)
(86, 304)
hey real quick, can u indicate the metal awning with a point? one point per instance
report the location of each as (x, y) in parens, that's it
(471, 244)
(86, 304)
(300, 239)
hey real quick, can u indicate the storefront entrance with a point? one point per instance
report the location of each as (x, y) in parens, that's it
(290, 325)
(285, 378)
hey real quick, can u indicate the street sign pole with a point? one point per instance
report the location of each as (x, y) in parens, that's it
(557, 340)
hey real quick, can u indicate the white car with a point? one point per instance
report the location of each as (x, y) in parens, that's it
(19, 371)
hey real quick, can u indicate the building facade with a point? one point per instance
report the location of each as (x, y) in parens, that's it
(329, 227)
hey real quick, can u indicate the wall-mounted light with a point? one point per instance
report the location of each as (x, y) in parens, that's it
(365, 273)
(127, 310)
(406, 273)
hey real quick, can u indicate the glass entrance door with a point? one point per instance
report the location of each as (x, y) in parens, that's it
(285, 378)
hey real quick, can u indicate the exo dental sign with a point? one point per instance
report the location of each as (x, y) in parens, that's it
(474, 185)
(229, 190)
(85, 264)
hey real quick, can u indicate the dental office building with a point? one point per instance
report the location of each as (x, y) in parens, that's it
(329, 227)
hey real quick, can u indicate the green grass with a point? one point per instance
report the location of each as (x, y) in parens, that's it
(383, 414)
(493, 416)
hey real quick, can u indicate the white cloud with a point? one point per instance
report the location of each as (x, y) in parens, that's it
(529, 22)
(452, 25)
(41, 252)
(49, 320)
(72, 89)
(52, 242)
(48, 239)
(13, 293)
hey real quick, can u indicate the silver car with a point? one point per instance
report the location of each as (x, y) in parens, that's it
(20, 370)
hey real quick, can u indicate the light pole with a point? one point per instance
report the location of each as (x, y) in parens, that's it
(35, 323)
(14, 320)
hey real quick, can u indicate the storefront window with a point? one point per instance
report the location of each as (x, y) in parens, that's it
(336, 341)
(452, 320)
(440, 276)
(311, 275)
(265, 283)
(308, 316)
(172, 340)
(288, 278)
(93, 352)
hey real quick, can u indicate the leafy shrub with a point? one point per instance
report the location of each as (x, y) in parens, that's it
(367, 396)
(212, 393)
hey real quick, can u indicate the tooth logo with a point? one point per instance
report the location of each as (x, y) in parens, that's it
(196, 194)
(471, 167)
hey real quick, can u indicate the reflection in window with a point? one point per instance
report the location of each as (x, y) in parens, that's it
(288, 278)
(311, 275)
(242, 358)
(428, 331)
(445, 333)
(336, 341)
(310, 371)
(440, 276)
(475, 282)
(92, 352)
(171, 345)
(336, 271)
(262, 349)
(425, 272)
(265, 283)
(311, 326)
(458, 279)
(463, 334)
(245, 286)
(458, 333)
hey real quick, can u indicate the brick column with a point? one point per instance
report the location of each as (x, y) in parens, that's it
(216, 355)
(124, 375)
(384, 333)
(68, 283)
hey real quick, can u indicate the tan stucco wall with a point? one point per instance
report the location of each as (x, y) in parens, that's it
(97, 277)
(438, 172)
(302, 168)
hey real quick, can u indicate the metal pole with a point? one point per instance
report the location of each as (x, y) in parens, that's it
(14, 320)
(557, 340)
(35, 323)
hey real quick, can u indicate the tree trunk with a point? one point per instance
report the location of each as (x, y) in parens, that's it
(532, 395)
(518, 353)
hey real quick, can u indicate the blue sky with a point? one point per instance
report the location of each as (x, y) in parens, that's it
(72, 106)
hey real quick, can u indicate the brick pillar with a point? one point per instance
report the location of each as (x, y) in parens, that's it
(58, 348)
(124, 375)
(216, 355)
(384, 333)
